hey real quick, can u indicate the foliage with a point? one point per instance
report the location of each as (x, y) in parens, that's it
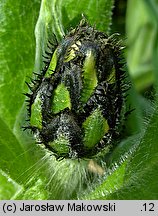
(27, 171)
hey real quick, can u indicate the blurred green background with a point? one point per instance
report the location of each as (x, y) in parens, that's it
(27, 172)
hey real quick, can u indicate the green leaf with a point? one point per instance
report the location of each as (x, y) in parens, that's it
(17, 54)
(13, 156)
(136, 177)
(111, 183)
(151, 7)
(132, 171)
(8, 188)
(142, 35)
(141, 174)
(19, 171)
(17, 43)
(34, 189)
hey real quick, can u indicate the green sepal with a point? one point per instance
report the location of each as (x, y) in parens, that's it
(60, 145)
(112, 76)
(36, 113)
(52, 65)
(89, 75)
(95, 127)
(61, 99)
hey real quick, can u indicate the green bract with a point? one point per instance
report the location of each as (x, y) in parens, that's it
(76, 102)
